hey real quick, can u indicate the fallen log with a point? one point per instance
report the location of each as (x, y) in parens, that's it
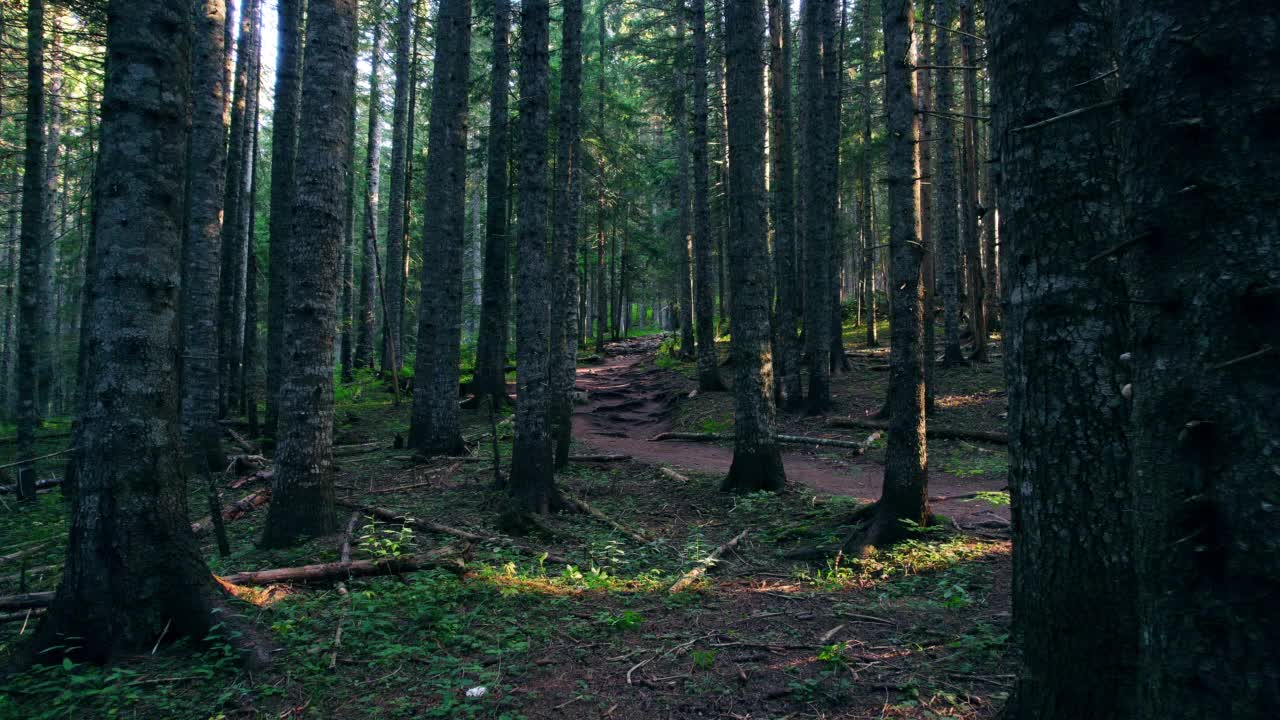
(39, 570)
(344, 450)
(234, 511)
(344, 548)
(259, 476)
(599, 458)
(26, 461)
(934, 431)
(22, 616)
(788, 439)
(674, 475)
(26, 601)
(44, 484)
(325, 572)
(436, 475)
(688, 578)
(393, 516)
(593, 512)
(24, 552)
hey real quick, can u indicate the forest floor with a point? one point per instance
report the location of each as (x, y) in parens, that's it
(589, 629)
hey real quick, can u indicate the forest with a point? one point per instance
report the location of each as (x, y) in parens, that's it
(631, 359)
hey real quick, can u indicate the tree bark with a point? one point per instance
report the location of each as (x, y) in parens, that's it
(132, 566)
(757, 464)
(567, 202)
(1199, 88)
(782, 207)
(491, 346)
(434, 428)
(366, 326)
(818, 148)
(904, 496)
(704, 298)
(302, 487)
(347, 282)
(532, 482)
(202, 245)
(32, 334)
(396, 230)
(866, 202)
(1069, 454)
(969, 187)
(924, 95)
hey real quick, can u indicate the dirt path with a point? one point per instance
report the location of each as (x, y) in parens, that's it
(630, 399)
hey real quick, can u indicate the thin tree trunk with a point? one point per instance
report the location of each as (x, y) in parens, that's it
(1066, 329)
(32, 338)
(817, 149)
(244, 221)
(567, 194)
(833, 73)
(948, 244)
(904, 496)
(249, 372)
(132, 508)
(366, 326)
(782, 206)
(284, 145)
(302, 487)
(491, 347)
(434, 428)
(347, 283)
(600, 303)
(399, 190)
(866, 204)
(1200, 82)
(532, 482)
(202, 245)
(969, 187)
(47, 354)
(683, 235)
(704, 299)
(757, 463)
(923, 98)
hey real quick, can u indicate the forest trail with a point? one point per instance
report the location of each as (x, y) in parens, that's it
(630, 399)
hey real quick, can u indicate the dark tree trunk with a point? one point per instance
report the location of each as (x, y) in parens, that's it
(244, 221)
(866, 204)
(234, 236)
(32, 336)
(833, 94)
(491, 346)
(202, 246)
(969, 187)
(703, 281)
(249, 371)
(1200, 85)
(396, 230)
(435, 429)
(904, 496)
(680, 120)
(132, 567)
(1065, 329)
(366, 324)
(346, 283)
(923, 97)
(818, 149)
(723, 299)
(600, 302)
(782, 206)
(284, 145)
(757, 464)
(948, 236)
(532, 474)
(567, 203)
(48, 291)
(302, 488)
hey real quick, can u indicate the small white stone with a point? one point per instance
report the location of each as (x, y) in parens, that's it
(477, 691)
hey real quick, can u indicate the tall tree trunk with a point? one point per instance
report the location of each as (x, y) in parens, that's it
(244, 221)
(833, 79)
(396, 230)
(347, 282)
(725, 297)
(924, 96)
(1066, 330)
(32, 337)
(567, 203)
(202, 245)
(302, 489)
(601, 304)
(434, 428)
(816, 22)
(704, 299)
(683, 236)
(904, 496)
(969, 187)
(1200, 83)
(133, 571)
(231, 300)
(284, 146)
(782, 206)
(491, 347)
(948, 236)
(990, 219)
(532, 473)
(249, 371)
(366, 327)
(866, 204)
(757, 464)
(47, 370)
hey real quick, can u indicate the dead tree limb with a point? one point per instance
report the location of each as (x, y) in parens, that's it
(235, 510)
(933, 431)
(688, 578)
(26, 601)
(674, 475)
(326, 572)
(593, 512)
(435, 476)
(240, 441)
